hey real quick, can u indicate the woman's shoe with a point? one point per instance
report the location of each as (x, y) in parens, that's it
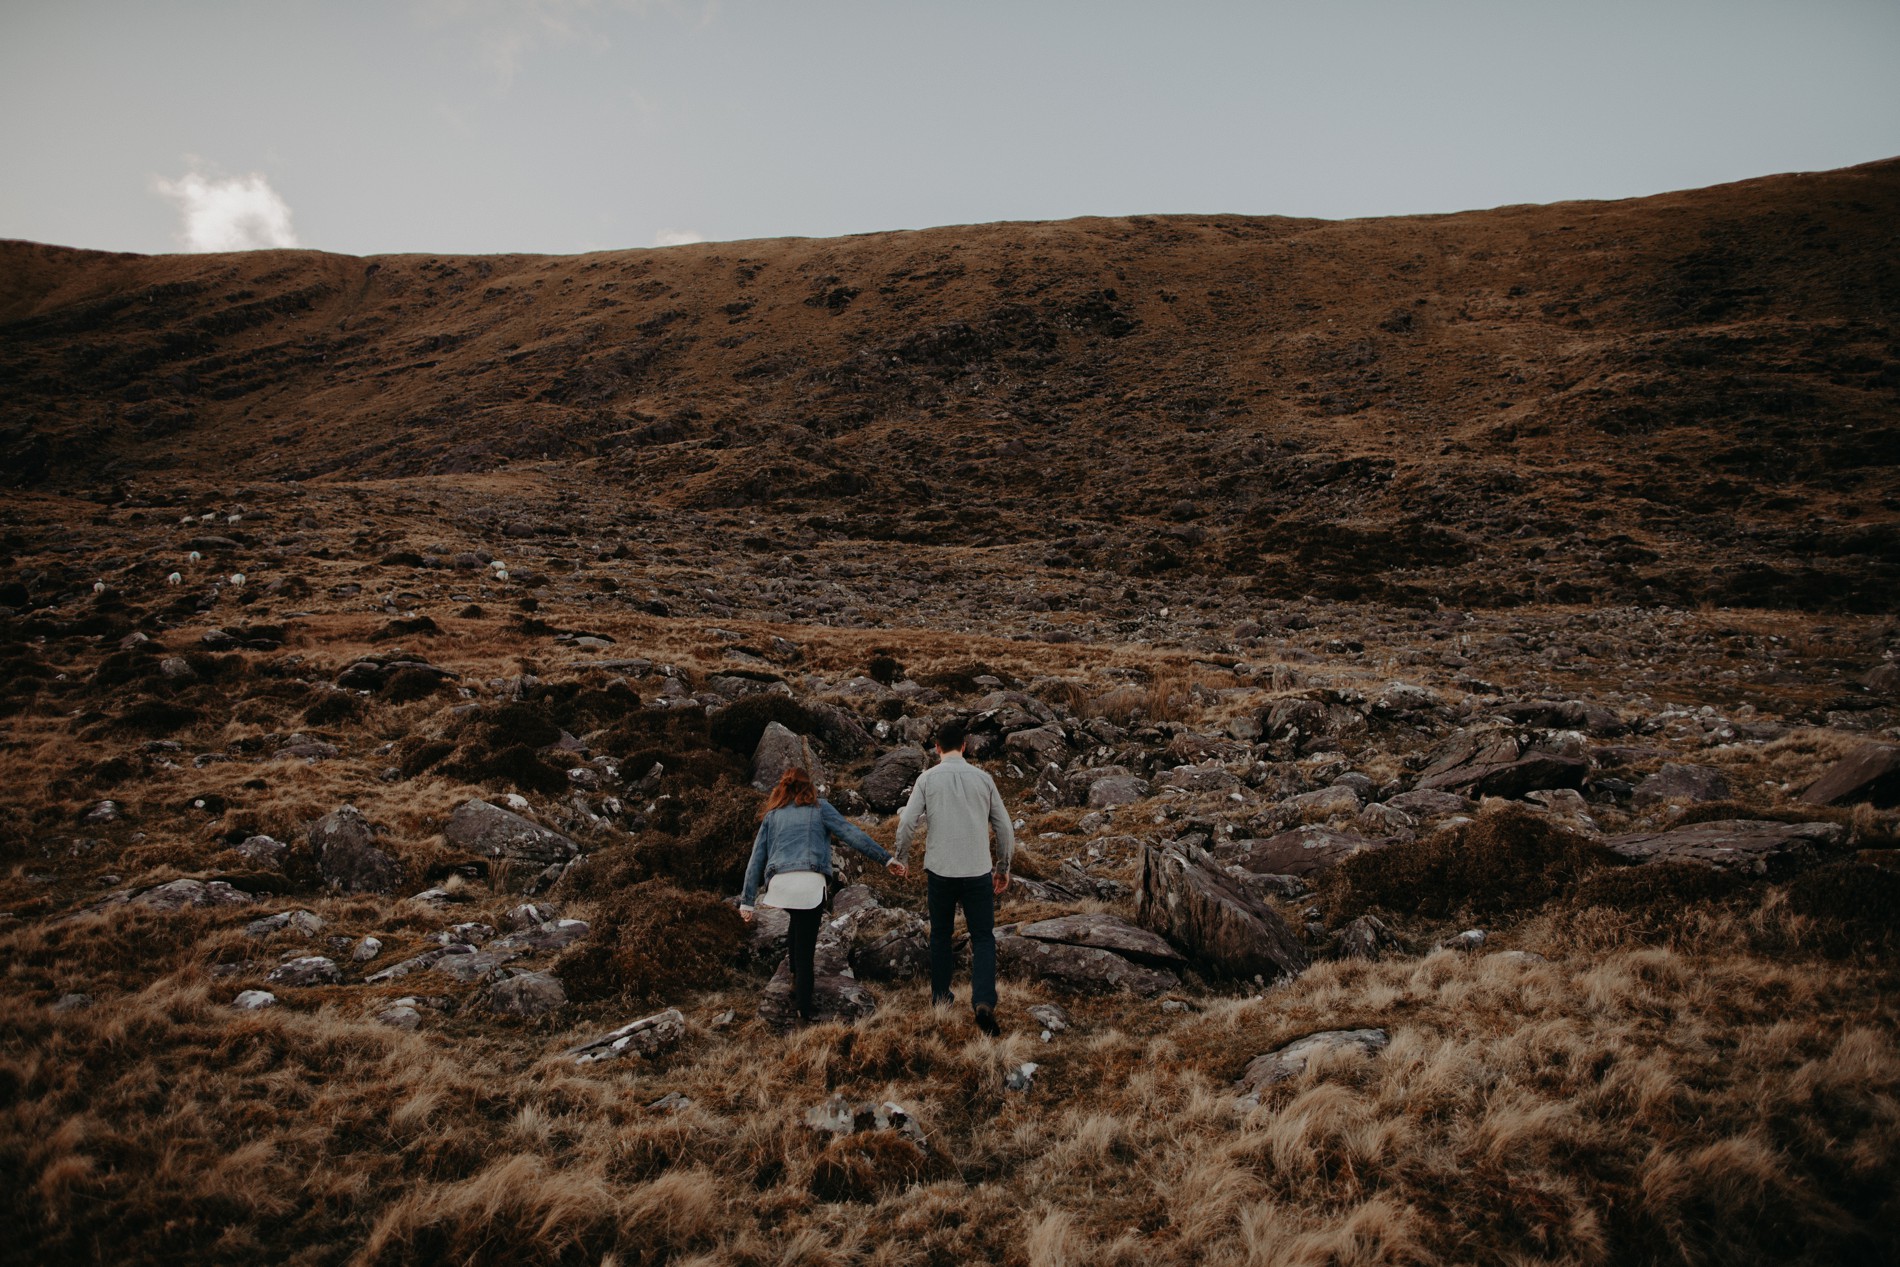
(986, 1021)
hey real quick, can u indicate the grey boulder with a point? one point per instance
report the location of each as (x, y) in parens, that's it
(779, 750)
(886, 786)
(347, 855)
(527, 994)
(494, 832)
(1184, 896)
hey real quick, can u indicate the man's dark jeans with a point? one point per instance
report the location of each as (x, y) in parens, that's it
(977, 897)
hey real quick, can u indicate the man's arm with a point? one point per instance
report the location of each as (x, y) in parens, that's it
(1000, 824)
(913, 813)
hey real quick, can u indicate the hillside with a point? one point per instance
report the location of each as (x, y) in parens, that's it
(1443, 672)
(1685, 398)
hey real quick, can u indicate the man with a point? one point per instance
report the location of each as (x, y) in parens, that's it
(961, 806)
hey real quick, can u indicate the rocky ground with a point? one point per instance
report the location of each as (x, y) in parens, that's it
(1444, 673)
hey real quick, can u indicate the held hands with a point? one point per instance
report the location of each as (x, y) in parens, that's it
(746, 913)
(897, 868)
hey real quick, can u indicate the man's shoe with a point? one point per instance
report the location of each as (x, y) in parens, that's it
(986, 1021)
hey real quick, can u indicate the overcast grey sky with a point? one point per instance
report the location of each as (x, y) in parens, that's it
(572, 125)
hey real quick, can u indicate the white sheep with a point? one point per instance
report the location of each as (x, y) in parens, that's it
(174, 579)
(237, 580)
(194, 557)
(501, 574)
(498, 565)
(98, 587)
(208, 517)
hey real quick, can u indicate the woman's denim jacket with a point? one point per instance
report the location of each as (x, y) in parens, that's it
(798, 838)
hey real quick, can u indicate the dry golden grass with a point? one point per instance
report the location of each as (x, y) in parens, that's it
(1614, 1104)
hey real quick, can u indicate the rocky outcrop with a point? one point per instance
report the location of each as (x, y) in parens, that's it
(1744, 845)
(347, 855)
(1870, 774)
(1495, 763)
(1227, 932)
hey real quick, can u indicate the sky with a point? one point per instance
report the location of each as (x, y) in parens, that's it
(559, 126)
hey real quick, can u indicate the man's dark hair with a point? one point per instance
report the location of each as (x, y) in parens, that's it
(951, 734)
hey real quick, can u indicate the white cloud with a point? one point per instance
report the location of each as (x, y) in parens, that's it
(677, 237)
(233, 213)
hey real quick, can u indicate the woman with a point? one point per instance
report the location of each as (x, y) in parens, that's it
(791, 856)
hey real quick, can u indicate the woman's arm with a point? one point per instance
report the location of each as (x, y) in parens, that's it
(850, 833)
(754, 871)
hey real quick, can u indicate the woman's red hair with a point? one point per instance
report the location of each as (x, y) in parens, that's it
(794, 788)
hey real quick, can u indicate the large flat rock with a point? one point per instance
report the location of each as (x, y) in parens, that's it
(1106, 932)
(1739, 844)
(1303, 851)
(1081, 969)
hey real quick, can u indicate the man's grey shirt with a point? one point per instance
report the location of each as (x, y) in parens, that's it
(960, 806)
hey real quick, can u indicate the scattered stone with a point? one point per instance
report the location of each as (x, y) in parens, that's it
(1870, 774)
(307, 970)
(1042, 745)
(263, 852)
(1290, 1061)
(1689, 784)
(1746, 845)
(530, 915)
(367, 949)
(1883, 678)
(179, 894)
(1048, 1015)
(1424, 803)
(1469, 940)
(1018, 1078)
(527, 994)
(347, 856)
(307, 923)
(72, 1002)
(400, 1015)
(840, 1117)
(1519, 957)
(671, 1102)
(1185, 897)
(648, 1036)
(103, 812)
(254, 1000)
(1366, 938)
(1117, 789)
